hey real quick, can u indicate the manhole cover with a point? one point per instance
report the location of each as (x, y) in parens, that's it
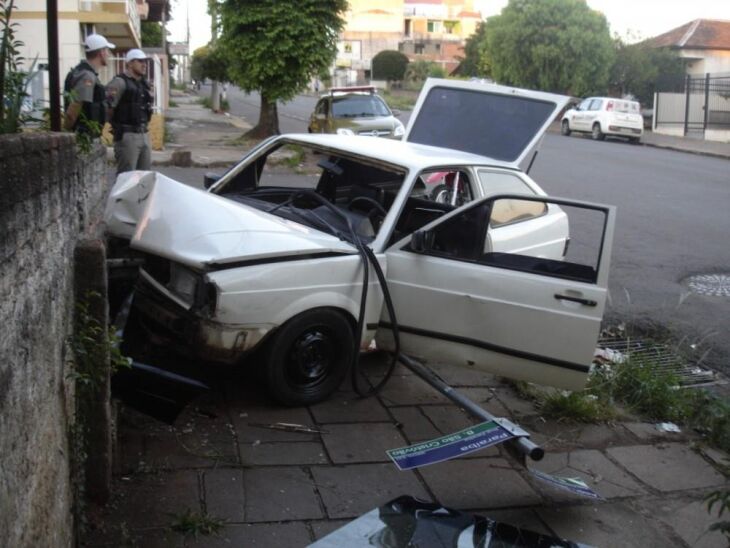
(716, 285)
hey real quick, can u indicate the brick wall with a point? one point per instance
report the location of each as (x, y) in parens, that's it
(49, 199)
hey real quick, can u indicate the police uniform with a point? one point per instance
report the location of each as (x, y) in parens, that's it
(131, 100)
(83, 86)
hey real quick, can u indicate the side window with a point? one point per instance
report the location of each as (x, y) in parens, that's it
(451, 187)
(595, 104)
(509, 211)
(566, 241)
(584, 104)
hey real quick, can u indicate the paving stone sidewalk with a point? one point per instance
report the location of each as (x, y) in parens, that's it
(277, 488)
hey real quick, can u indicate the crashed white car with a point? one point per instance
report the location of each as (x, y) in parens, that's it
(272, 257)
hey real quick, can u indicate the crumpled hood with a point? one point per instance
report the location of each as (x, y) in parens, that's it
(161, 216)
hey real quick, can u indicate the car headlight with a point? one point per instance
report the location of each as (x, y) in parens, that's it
(399, 130)
(183, 283)
(345, 131)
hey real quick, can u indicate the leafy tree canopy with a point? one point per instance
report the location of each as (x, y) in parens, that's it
(553, 45)
(208, 62)
(151, 34)
(276, 46)
(421, 69)
(389, 65)
(472, 63)
(639, 70)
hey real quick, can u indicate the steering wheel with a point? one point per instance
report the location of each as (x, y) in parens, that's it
(376, 220)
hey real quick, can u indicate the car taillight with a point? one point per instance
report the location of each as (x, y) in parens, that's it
(609, 105)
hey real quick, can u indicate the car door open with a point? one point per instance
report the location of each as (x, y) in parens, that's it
(513, 285)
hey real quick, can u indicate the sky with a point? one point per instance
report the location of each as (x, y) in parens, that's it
(641, 18)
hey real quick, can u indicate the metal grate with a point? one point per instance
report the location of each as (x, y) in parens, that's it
(665, 358)
(715, 285)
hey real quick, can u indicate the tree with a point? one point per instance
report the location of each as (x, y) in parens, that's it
(554, 45)
(276, 46)
(151, 34)
(208, 62)
(389, 65)
(472, 62)
(421, 69)
(639, 69)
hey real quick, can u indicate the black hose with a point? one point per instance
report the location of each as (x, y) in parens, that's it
(368, 257)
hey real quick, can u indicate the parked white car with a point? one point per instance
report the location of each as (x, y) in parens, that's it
(272, 260)
(601, 116)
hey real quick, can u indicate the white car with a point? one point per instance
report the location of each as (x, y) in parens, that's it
(601, 116)
(271, 261)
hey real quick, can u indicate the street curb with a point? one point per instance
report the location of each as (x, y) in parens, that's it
(689, 151)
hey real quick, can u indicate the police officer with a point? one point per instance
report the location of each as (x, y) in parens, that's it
(84, 93)
(130, 102)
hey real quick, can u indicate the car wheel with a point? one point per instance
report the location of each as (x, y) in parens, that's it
(565, 128)
(308, 357)
(596, 133)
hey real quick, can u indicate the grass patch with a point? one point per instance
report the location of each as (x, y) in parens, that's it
(401, 100)
(193, 524)
(640, 386)
(207, 103)
(172, 104)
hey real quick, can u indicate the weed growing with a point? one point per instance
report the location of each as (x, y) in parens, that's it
(194, 523)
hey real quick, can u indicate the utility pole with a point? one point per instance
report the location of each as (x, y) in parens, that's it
(215, 96)
(54, 80)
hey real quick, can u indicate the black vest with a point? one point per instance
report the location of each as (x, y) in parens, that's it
(135, 105)
(94, 111)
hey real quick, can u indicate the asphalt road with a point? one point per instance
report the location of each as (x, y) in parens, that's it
(672, 222)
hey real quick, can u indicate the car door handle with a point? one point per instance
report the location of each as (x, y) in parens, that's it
(586, 302)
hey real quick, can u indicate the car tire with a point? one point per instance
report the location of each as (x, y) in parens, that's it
(596, 133)
(308, 357)
(565, 128)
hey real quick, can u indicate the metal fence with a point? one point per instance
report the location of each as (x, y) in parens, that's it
(695, 104)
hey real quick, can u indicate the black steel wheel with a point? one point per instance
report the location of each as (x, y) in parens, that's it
(565, 128)
(309, 356)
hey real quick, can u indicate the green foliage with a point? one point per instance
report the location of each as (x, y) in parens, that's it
(554, 45)
(276, 46)
(194, 523)
(207, 103)
(389, 65)
(13, 80)
(421, 69)
(639, 69)
(722, 499)
(472, 64)
(400, 99)
(151, 34)
(209, 62)
(576, 406)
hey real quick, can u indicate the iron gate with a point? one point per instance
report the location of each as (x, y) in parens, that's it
(697, 104)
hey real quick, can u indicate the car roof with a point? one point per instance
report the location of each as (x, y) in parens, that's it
(411, 156)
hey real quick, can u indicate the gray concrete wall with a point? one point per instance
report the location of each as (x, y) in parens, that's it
(49, 199)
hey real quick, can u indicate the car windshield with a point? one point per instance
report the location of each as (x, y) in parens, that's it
(330, 192)
(359, 106)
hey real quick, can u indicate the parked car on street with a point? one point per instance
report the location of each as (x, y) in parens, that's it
(355, 111)
(602, 116)
(303, 267)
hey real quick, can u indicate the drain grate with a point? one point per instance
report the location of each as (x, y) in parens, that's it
(715, 285)
(665, 358)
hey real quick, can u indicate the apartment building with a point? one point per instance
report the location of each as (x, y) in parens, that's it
(434, 30)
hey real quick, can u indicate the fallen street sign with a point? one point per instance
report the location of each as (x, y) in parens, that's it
(451, 446)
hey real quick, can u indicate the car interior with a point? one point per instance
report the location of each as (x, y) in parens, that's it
(333, 193)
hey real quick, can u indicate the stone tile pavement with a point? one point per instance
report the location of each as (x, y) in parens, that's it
(279, 488)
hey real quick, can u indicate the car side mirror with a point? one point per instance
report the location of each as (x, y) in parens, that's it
(209, 179)
(396, 112)
(422, 241)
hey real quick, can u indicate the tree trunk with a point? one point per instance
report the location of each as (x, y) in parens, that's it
(268, 124)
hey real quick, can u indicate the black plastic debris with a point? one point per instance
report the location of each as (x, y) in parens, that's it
(407, 522)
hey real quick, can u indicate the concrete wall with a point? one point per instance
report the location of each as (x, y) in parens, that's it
(49, 199)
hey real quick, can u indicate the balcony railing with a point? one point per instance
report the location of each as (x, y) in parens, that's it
(126, 7)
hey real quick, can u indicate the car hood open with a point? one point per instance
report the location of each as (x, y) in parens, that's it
(164, 217)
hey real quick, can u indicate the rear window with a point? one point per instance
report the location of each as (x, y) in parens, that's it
(623, 106)
(497, 126)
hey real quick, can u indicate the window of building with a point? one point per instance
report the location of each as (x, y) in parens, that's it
(434, 26)
(418, 48)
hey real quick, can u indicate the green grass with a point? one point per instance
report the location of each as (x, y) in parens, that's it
(207, 103)
(640, 386)
(194, 523)
(401, 100)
